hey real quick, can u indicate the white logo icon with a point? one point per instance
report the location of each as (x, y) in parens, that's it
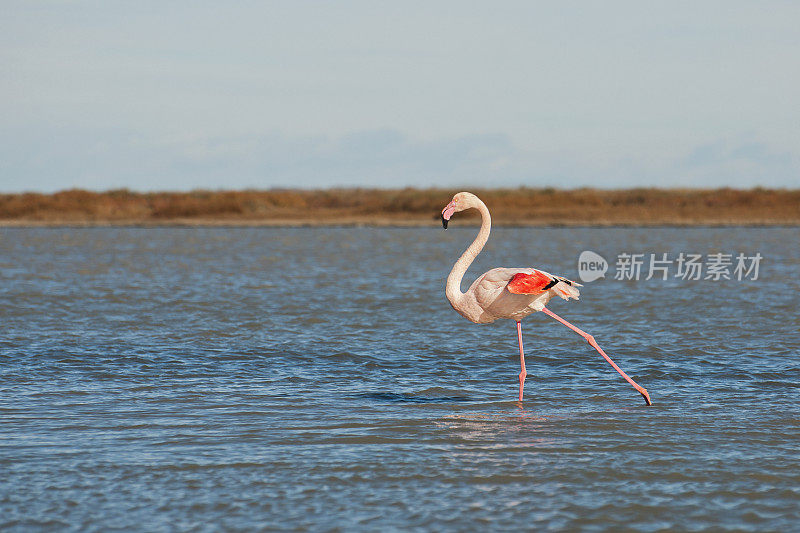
(591, 266)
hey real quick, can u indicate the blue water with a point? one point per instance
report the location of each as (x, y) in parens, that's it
(208, 379)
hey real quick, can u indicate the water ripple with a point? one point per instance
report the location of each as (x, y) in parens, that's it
(315, 378)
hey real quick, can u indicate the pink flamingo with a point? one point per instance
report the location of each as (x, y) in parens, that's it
(509, 292)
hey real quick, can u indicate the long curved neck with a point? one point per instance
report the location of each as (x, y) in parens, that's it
(453, 289)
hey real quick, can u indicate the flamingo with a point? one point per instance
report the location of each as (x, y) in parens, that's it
(512, 293)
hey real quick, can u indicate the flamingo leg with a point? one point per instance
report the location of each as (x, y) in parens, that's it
(522, 372)
(594, 345)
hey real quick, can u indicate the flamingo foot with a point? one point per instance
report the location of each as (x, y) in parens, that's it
(646, 396)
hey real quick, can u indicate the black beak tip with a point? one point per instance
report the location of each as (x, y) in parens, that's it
(444, 222)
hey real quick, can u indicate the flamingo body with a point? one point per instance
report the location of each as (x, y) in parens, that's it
(512, 293)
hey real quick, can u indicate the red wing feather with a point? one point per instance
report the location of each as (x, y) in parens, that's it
(528, 283)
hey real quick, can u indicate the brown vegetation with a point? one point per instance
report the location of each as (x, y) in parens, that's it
(403, 207)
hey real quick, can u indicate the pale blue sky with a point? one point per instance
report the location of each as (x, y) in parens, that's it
(183, 95)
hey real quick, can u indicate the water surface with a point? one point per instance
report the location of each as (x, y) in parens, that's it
(316, 378)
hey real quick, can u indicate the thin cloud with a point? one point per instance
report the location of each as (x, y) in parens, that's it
(108, 159)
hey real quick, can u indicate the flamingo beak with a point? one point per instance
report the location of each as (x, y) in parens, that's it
(447, 212)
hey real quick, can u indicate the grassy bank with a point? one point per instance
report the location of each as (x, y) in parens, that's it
(521, 206)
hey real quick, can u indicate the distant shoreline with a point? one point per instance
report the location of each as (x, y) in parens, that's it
(402, 208)
(377, 223)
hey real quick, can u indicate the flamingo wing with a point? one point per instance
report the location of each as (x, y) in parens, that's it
(537, 282)
(530, 283)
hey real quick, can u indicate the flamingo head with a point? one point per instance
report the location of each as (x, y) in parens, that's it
(460, 202)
